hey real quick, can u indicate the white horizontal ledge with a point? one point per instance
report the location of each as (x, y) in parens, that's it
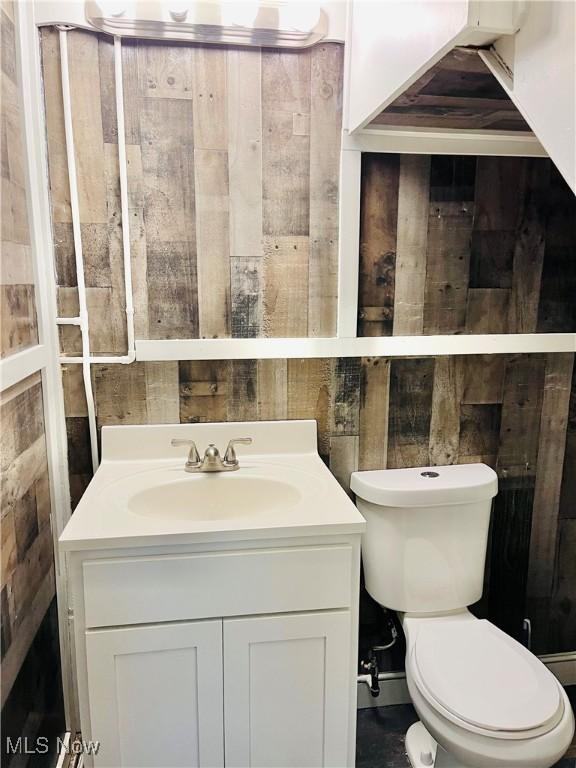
(383, 346)
(20, 365)
(422, 141)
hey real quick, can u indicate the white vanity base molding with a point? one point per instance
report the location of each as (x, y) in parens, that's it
(236, 651)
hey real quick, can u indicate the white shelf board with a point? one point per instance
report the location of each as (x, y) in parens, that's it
(20, 365)
(425, 141)
(384, 346)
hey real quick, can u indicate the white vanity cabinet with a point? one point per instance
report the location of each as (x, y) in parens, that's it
(215, 617)
(227, 657)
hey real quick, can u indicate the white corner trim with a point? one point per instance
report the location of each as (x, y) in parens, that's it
(382, 346)
(421, 141)
(20, 365)
(29, 66)
(349, 243)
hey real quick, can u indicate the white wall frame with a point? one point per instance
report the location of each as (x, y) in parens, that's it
(20, 365)
(347, 343)
(28, 62)
(449, 141)
(367, 346)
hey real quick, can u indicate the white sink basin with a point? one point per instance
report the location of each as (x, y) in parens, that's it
(218, 496)
(141, 495)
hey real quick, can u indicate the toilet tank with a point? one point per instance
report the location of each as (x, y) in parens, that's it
(424, 547)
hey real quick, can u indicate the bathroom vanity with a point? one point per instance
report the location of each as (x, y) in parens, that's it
(215, 614)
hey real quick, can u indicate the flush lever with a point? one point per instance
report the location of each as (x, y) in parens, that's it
(230, 455)
(193, 455)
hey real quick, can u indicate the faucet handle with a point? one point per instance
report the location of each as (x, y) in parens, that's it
(193, 455)
(230, 455)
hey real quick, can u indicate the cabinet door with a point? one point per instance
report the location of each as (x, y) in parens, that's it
(287, 690)
(156, 695)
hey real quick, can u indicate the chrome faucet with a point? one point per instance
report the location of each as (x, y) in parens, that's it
(212, 461)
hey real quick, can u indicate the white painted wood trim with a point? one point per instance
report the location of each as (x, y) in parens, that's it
(384, 346)
(422, 141)
(20, 365)
(349, 243)
(28, 62)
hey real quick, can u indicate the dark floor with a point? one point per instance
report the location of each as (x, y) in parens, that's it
(380, 736)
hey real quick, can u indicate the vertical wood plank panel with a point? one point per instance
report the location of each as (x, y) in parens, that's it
(325, 130)
(448, 264)
(213, 244)
(272, 389)
(346, 396)
(563, 607)
(411, 383)
(410, 274)
(169, 218)
(543, 538)
(285, 154)
(85, 95)
(243, 403)
(210, 97)
(285, 299)
(55, 135)
(309, 396)
(378, 226)
(373, 417)
(529, 248)
(445, 415)
(162, 395)
(521, 407)
(244, 78)
(246, 280)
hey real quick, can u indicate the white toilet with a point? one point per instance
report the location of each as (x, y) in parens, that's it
(482, 698)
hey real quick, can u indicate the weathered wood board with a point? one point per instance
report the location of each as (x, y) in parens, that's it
(465, 245)
(229, 150)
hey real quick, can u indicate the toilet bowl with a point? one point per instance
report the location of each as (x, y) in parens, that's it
(482, 696)
(484, 701)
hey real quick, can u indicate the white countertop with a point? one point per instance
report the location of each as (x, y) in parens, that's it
(139, 458)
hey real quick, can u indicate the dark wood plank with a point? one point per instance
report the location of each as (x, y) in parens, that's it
(511, 521)
(563, 606)
(374, 409)
(552, 442)
(447, 273)
(411, 386)
(521, 409)
(529, 247)
(346, 396)
(378, 233)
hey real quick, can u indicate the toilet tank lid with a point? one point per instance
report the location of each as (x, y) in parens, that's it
(426, 486)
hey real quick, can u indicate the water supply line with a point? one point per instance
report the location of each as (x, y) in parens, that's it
(82, 321)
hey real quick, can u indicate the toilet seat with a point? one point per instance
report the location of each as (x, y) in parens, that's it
(478, 677)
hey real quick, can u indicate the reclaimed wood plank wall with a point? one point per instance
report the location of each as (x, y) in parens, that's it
(27, 580)
(513, 412)
(18, 327)
(465, 245)
(233, 187)
(233, 160)
(27, 562)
